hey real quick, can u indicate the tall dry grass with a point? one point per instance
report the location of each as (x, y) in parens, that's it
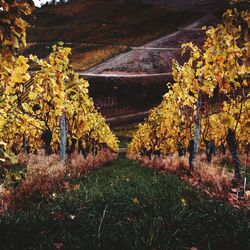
(47, 175)
(78, 166)
(215, 179)
(211, 177)
(164, 164)
(44, 175)
(4, 199)
(88, 59)
(227, 158)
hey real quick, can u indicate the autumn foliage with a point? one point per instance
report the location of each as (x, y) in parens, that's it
(207, 104)
(31, 110)
(210, 94)
(32, 105)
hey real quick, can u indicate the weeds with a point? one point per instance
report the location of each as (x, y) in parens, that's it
(124, 206)
(46, 175)
(213, 179)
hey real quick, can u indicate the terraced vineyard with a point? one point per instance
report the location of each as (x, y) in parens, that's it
(122, 47)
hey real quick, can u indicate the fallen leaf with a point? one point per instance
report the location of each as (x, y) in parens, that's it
(58, 245)
(136, 201)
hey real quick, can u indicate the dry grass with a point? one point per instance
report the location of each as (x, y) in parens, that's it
(88, 59)
(44, 175)
(47, 175)
(227, 158)
(79, 166)
(211, 177)
(164, 164)
(5, 199)
(215, 179)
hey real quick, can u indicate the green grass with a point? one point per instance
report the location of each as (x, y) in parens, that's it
(124, 206)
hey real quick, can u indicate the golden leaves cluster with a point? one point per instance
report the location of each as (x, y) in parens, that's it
(13, 24)
(55, 89)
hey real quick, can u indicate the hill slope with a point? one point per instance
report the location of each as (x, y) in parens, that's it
(98, 30)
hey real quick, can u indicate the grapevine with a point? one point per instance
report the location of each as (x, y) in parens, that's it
(209, 95)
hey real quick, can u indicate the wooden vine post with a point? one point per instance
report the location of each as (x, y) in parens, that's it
(197, 127)
(63, 138)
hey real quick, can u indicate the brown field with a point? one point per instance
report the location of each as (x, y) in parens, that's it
(102, 29)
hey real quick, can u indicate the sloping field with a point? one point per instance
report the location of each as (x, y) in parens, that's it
(154, 58)
(99, 30)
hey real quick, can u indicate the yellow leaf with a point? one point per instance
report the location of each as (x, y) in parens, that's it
(136, 201)
(32, 95)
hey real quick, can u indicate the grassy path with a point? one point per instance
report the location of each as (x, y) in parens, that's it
(124, 206)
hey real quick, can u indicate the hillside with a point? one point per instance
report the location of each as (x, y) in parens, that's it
(98, 30)
(125, 39)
